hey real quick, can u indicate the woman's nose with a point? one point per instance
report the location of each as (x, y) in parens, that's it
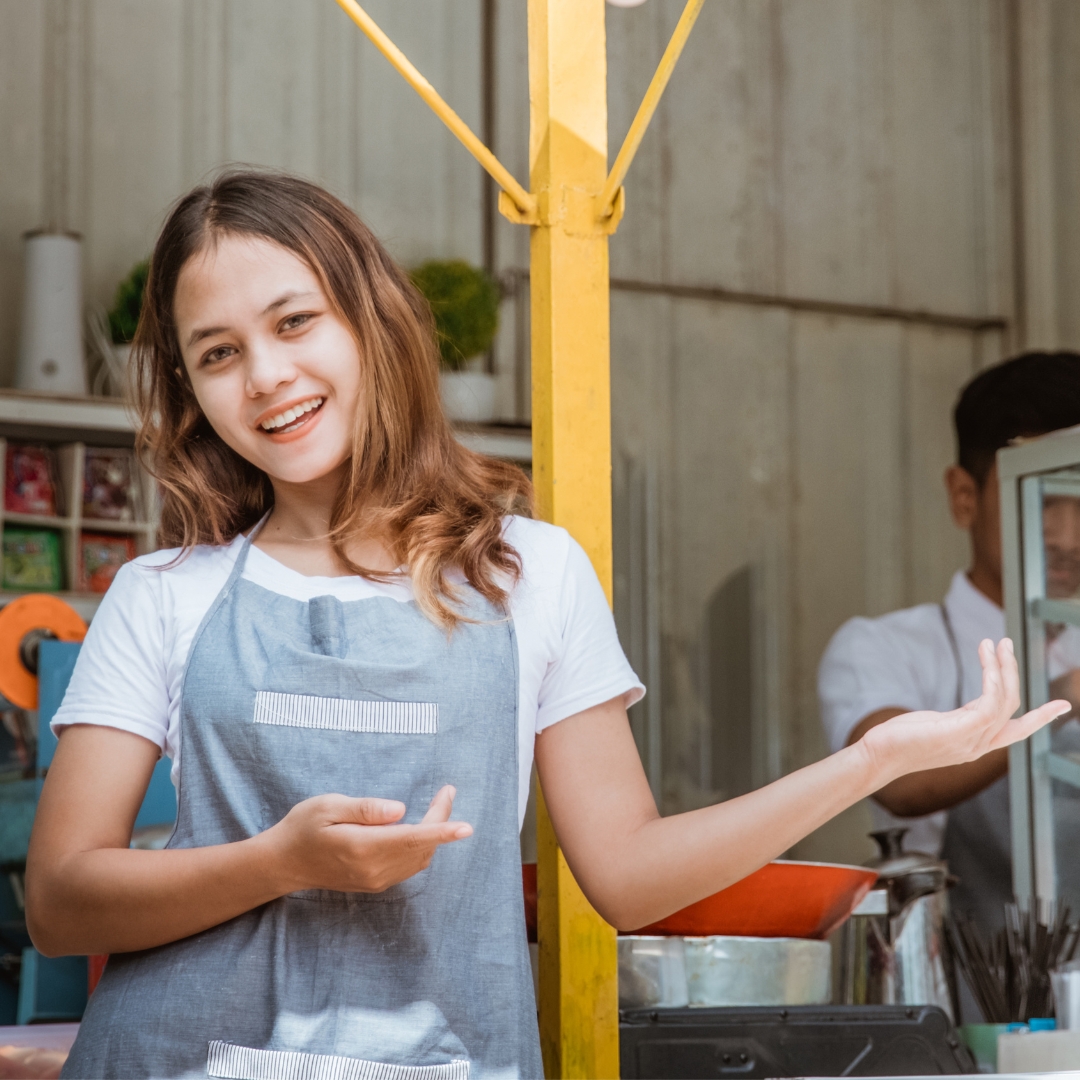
(268, 367)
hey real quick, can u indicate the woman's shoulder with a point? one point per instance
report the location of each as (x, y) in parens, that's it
(187, 562)
(175, 572)
(543, 548)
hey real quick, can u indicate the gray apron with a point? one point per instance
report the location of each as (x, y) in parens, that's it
(430, 980)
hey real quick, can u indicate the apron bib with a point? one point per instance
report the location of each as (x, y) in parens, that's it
(430, 980)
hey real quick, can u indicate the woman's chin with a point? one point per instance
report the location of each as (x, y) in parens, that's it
(295, 474)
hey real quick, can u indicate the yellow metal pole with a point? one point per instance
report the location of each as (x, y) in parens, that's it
(573, 209)
(579, 1031)
(525, 203)
(648, 106)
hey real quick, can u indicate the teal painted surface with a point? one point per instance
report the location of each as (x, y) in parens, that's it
(52, 990)
(159, 804)
(18, 801)
(56, 662)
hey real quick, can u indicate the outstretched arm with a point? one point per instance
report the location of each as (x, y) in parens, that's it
(636, 867)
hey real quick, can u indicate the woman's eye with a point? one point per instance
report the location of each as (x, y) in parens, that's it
(293, 321)
(215, 356)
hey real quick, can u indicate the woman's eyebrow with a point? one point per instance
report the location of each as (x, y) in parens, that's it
(285, 298)
(209, 331)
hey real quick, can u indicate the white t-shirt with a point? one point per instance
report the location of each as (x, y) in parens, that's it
(905, 660)
(131, 666)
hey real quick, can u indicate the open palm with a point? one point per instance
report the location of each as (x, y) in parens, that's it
(915, 741)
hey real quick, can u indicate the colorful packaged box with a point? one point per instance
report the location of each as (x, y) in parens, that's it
(110, 488)
(32, 559)
(30, 479)
(100, 556)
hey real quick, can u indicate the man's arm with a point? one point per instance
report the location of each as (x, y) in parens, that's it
(921, 793)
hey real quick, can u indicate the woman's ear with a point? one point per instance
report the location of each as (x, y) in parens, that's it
(963, 491)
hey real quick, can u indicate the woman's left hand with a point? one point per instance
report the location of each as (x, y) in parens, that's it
(916, 741)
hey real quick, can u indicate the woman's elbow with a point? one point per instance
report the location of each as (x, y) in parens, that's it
(44, 921)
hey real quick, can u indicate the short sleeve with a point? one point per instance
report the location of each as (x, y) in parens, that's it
(589, 666)
(859, 674)
(120, 676)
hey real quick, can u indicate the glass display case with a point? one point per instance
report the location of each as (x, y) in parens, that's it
(1040, 527)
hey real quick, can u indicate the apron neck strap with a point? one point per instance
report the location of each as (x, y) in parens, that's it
(241, 558)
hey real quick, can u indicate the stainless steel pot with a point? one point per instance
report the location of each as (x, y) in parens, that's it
(758, 971)
(652, 972)
(893, 947)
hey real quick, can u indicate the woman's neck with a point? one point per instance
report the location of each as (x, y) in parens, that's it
(297, 533)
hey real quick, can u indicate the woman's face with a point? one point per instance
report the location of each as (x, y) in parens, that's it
(276, 371)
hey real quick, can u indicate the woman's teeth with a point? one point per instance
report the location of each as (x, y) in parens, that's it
(285, 420)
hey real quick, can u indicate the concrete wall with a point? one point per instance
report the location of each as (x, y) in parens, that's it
(843, 209)
(111, 109)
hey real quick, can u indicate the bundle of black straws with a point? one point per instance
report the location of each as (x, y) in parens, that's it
(1009, 974)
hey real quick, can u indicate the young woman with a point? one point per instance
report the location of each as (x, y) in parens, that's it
(358, 630)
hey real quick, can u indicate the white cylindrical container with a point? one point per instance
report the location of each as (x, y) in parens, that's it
(51, 355)
(468, 396)
(1066, 983)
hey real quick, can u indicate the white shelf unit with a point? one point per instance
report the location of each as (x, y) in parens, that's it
(69, 425)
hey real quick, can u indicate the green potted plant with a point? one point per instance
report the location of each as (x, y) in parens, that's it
(465, 303)
(123, 318)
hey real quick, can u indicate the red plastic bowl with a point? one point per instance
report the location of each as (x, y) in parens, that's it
(782, 899)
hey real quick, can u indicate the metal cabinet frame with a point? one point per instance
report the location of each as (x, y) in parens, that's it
(1027, 472)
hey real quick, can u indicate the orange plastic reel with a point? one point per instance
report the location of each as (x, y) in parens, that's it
(35, 616)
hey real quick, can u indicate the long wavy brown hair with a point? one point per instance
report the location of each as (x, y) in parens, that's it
(437, 505)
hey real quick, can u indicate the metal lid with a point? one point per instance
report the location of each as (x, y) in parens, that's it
(894, 862)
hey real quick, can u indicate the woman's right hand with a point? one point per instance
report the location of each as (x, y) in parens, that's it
(355, 845)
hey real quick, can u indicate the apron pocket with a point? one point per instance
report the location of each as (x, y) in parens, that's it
(244, 1063)
(360, 748)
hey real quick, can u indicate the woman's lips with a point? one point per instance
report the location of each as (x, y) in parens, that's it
(299, 426)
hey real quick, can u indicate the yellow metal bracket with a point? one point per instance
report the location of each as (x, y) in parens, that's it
(649, 102)
(574, 209)
(524, 202)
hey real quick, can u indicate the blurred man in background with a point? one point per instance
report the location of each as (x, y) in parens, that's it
(926, 657)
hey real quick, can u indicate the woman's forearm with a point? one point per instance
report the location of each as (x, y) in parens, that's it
(119, 900)
(670, 862)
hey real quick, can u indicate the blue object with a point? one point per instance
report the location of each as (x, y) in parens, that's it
(56, 662)
(1042, 1023)
(51, 990)
(18, 802)
(1016, 1025)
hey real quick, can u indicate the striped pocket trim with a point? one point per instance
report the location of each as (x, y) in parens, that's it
(243, 1063)
(343, 714)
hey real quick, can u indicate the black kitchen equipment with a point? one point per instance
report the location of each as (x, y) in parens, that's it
(801, 1040)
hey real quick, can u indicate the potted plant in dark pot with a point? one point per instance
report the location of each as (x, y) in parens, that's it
(465, 303)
